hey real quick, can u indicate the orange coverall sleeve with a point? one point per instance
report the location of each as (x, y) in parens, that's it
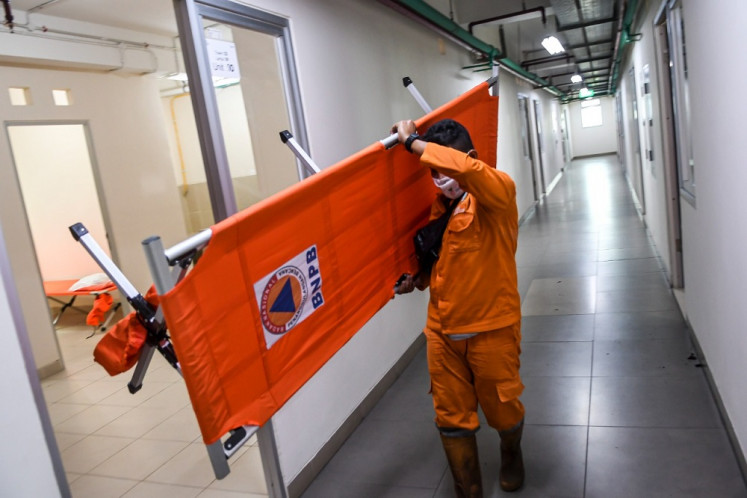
(493, 189)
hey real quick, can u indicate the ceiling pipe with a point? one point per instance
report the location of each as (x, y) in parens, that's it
(420, 11)
(543, 60)
(508, 16)
(623, 38)
(587, 24)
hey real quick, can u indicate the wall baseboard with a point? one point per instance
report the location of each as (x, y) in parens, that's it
(730, 433)
(325, 454)
(50, 369)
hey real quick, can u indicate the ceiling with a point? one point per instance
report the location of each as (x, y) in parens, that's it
(587, 29)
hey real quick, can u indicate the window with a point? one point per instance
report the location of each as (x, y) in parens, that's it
(591, 113)
(62, 97)
(681, 100)
(19, 96)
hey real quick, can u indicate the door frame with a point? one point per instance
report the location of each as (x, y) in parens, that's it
(669, 149)
(527, 140)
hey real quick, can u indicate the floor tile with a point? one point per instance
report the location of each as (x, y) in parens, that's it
(136, 422)
(156, 490)
(635, 326)
(91, 419)
(219, 493)
(92, 393)
(405, 453)
(627, 462)
(560, 296)
(181, 426)
(664, 357)
(653, 402)
(565, 359)
(123, 396)
(91, 451)
(556, 400)
(55, 390)
(65, 440)
(628, 266)
(554, 328)
(189, 467)
(60, 412)
(100, 487)
(640, 301)
(140, 459)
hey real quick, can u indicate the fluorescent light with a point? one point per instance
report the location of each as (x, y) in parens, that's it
(585, 93)
(576, 79)
(552, 45)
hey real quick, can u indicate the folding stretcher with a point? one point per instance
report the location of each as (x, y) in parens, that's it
(57, 289)
(243, 362)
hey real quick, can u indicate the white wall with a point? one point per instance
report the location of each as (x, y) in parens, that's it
(713, 232)
(596, 139)
(28, 447)
(58, 190)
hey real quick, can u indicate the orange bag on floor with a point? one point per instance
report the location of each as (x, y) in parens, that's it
(119, 349)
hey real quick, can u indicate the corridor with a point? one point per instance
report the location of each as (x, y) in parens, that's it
(617, 402)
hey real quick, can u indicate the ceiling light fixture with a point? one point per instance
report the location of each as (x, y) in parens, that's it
(552, 45)
(576, 79)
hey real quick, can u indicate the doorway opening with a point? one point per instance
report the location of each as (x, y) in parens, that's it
(59, 187)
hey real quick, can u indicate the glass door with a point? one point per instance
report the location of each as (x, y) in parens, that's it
(244, 92)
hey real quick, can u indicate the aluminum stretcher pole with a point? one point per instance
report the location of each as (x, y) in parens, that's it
(152, 319)
(160, 261)
(416, 94)
(392, 139)
(301, 154)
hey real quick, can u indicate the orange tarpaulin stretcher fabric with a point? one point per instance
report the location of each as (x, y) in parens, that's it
(284, 284)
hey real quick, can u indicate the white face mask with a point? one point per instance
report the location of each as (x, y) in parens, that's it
(449, 187)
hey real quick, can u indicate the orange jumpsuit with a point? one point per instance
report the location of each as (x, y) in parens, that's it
(473, 289)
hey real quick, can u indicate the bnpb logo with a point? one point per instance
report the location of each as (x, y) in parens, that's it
(289, 295)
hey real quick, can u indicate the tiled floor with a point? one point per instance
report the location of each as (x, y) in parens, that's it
(148, 444)
(615, 406)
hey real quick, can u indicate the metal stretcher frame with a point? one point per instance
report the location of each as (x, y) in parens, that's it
(164, 278)
(56, 289)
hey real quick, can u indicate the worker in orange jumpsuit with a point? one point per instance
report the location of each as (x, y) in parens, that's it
(473, 329)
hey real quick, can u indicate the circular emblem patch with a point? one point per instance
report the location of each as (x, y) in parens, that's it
(283, 300)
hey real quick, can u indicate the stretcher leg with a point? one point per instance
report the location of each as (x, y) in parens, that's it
(65, 305)
(112, 312)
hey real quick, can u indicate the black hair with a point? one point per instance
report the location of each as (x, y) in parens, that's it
(449, 133)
